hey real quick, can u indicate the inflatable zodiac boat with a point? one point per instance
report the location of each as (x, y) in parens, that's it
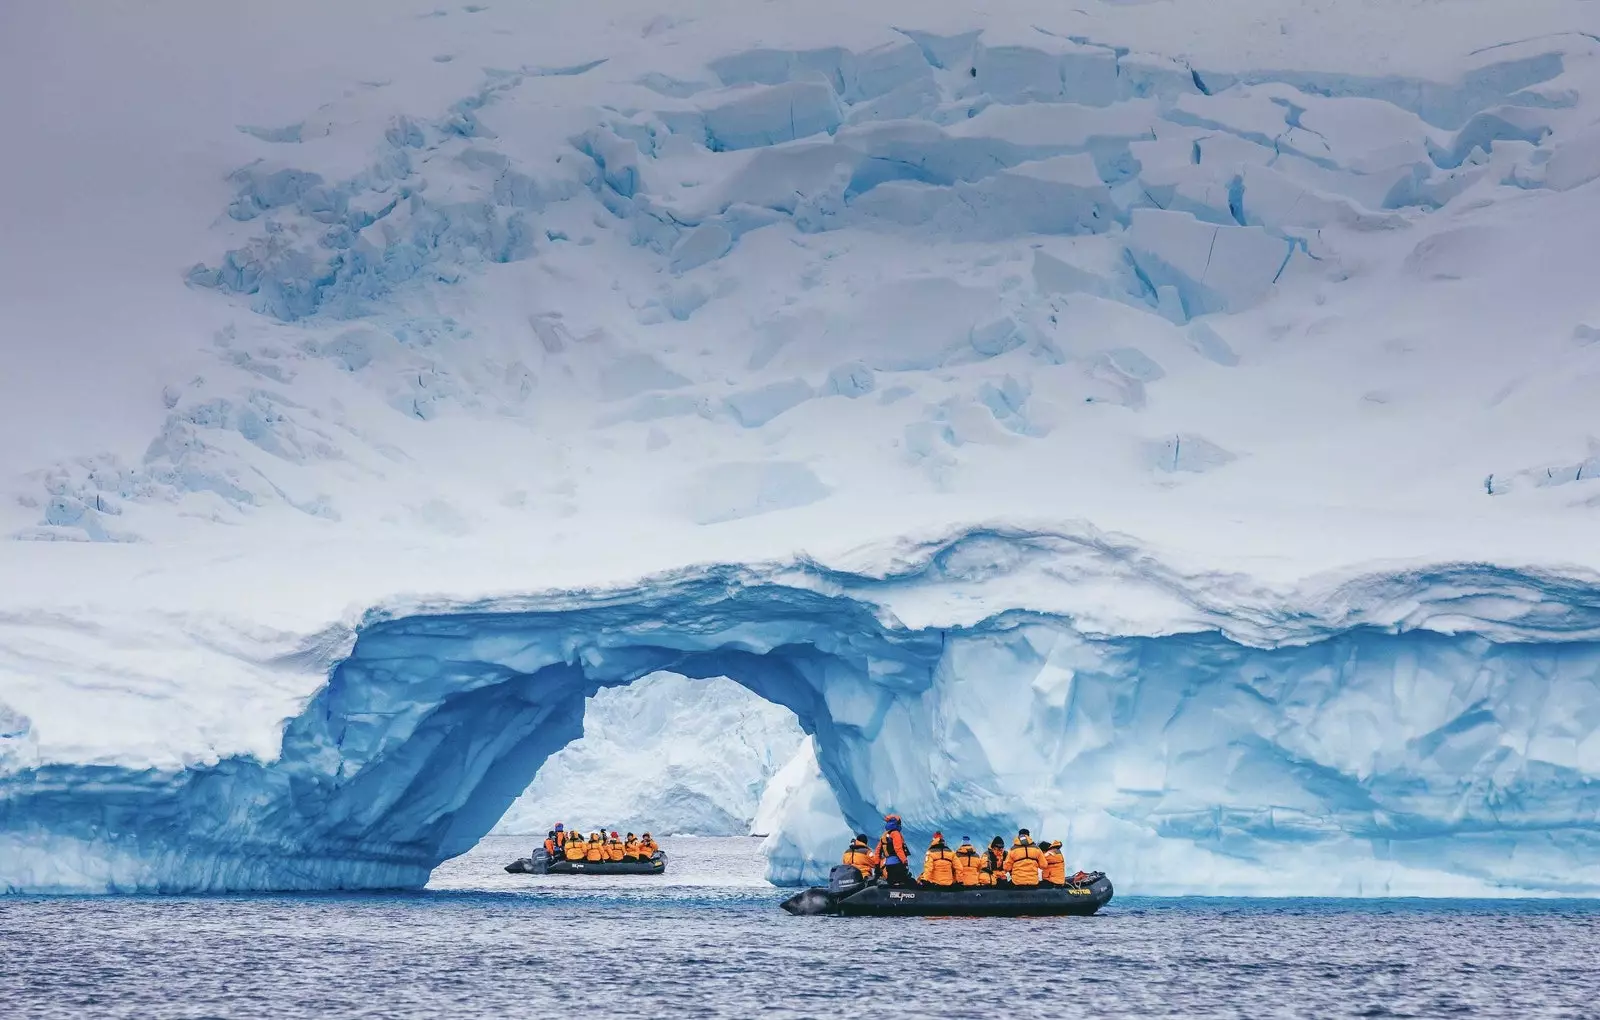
(848, 895)
(541, 864)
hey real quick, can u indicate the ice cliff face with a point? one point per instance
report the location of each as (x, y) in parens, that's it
(1229, 367)
(663, 755)
(1403, 733)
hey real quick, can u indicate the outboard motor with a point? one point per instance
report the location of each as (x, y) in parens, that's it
(844, 879)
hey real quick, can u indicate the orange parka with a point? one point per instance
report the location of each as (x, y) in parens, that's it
(860, 858)
(576, 849)
(939, 865)
(647, 847)
(969, 866)
(597, 848)
(1025, 862)
(630, 848)
(892, 848)
(615, 850)
(1055, 866)
(550, 847)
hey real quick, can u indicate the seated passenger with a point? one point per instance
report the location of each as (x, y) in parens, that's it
(994, 862)
(969, 864)
(860, 856)
(630, 848)
(939, 863)
(577, 848)
(597, 847)
(1055, 865)
(1025, 862)
(550, 847)
(614, 848)
(647, 847)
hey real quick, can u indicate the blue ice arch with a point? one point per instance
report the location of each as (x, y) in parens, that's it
(1441, 721)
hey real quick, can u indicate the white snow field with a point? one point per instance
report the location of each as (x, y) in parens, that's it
(663, 755)
(1171, 426)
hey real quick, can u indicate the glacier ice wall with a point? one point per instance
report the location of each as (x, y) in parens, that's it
(665, 755)
(1427, 730)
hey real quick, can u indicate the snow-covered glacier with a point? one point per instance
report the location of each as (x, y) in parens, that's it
(1420, 732)
(1169, 426)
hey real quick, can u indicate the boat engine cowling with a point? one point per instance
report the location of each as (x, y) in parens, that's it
(844, 879)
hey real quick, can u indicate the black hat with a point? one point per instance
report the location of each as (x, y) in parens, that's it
(1024, 832)
(861, 836)
(998, 841)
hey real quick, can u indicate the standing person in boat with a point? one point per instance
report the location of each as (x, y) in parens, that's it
(550, 848)
(561, 836)
(939, 863)
(630, 848)
(892, 855)
(647, 847)
(860, 856)
(969, 864)
(994, 861)
(1025, 862)
(1055, 865)
(597, 847)
(576, 849)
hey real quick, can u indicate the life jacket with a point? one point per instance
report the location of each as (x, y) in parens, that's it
(630, 849)
(939, 865)
(994, 865)
(647, 847)
(561, 839)
(597, 848)
(614, 849)
(1025, 862)
(892, 848)
(576, 849)
(860, 858)
(969, 866)
(1055, 867)
(549, 846)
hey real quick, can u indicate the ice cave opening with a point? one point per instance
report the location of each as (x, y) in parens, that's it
(672, 756)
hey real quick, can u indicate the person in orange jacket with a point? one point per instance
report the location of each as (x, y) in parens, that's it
(860, 856)
(939, 863)
(550, 847)
(994, 862)
(1025, 862)
(597, 847)
(1055, 865)
(647, 847)
(577, 848)
(630, 847)
(969, 864)
(892, 855)
(615, 848)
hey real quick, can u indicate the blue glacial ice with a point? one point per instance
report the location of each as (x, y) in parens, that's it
(1426, 729)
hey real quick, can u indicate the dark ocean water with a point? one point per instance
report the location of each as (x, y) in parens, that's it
(709, 941)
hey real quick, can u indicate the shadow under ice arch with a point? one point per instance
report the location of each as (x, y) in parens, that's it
(1429, 730)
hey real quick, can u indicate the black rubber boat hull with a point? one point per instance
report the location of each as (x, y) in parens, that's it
(540, 864)
(987, 901)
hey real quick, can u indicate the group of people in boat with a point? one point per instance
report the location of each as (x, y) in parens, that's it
(597, 846)
(1024, 863)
